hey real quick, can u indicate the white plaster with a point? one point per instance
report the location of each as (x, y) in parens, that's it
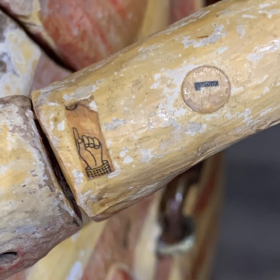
(270, 47)
(248, 16)
(78, 176)
(51, 125)
(3, 169)
(254, 56)
(146, 155)
(203, 14)
(264, 78)
(270, 13)
(80, 93)
(100, 81)
(261, 6)
(93, 106)
(109, 143)
(116, 172)
(19, 67)
(230, 116)
(128, 160)
(213, 38)
(115, 123)
(93, 198)
(241, 31)
(266, 90)
(171, 91)
(180, 112)
(157, 82)
(221, 50)
(61, 126)
(210, 116)
(88, 193)
(234, 89)
(265, 112)
(246, 115)
(123, 152)
(194, 128)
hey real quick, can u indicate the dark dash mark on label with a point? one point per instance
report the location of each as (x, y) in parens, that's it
(200, 85)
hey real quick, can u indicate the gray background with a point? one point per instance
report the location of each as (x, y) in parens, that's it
(249, 245)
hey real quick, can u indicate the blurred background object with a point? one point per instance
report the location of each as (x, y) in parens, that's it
(80, 32)
(249, 247)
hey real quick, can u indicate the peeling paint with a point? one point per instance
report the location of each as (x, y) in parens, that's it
(61, 126)
(78, 176)
(127, 160)
(116, 172)
(146, 155)
(194, 128)
(213, 38)
(109, 143)
(180, 112)
(157, 82)
(254, 56)
(265, 112)
(234, 89)
(93, 106)
(175, 79)
(3, 169)
(20, 57)
(210, 116)
(266, 90)
(248, 16)
(230, 116)
(261, 6)
(81, 93)
(270, 13)
(115, 123)
(246, 115)
(221, 50)
(264, 78)
(123, 152)
(241, 31)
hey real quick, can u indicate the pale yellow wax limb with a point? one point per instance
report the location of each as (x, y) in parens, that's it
(150, 132)
(23, 65)
(19, 57)
(35, 213)
(28, 11)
